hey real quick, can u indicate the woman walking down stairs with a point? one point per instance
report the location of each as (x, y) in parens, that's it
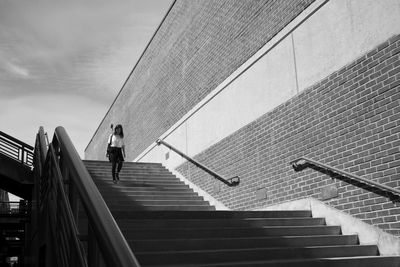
(167, 224)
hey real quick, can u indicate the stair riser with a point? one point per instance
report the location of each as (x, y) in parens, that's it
(216, 215)
(126, 170)
(160, 208)
(178, 194)
(134, 175)
(223, 222)
(231, 243)
(124, 199)
(136, 180)
(331, 262)
(136, 164)
(151, 233)
(255, 254)
(148, 186)
(129, 184)
(157, 202)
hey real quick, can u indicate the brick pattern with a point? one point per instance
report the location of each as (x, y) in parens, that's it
(199, 44)
(350, 120)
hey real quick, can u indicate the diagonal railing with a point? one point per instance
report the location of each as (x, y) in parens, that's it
(16, 149)
(234, 181)
(304, 162)
(67, 192)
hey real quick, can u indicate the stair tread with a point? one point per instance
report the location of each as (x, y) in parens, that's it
(361, 261)
(240, 242)
(218, 255)
(257, 249)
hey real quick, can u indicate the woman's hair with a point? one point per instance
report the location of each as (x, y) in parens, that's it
(122, 131)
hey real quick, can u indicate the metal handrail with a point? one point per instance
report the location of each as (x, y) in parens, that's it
(112, 244)
(16, 149)
(55, 209)
(302, 162)
(234, 181)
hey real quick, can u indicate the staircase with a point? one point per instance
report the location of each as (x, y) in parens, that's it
(167, 224)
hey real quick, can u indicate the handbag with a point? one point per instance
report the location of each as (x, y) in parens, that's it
(109, 149)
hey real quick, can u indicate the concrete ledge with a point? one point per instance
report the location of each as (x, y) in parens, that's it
(388, 244)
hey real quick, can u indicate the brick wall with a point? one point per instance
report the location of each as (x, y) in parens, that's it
(350, 120)
(197, 46)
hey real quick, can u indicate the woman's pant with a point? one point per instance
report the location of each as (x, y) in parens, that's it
(117, 160)
(116, 165)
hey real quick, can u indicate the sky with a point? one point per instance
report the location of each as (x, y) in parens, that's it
(62, 63)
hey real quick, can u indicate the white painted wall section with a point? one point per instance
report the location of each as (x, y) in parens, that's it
(340, 32)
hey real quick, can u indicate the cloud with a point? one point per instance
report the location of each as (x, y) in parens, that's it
(16, 70)
(63, 62)
(88, 47)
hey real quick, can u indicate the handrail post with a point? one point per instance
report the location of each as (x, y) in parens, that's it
(234, 181)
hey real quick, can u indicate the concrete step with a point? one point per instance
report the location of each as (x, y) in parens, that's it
(181, 207)
(136, 178)
(177, 233)
(128, 166)
(101, 163)
(150, 192)
(241, 242)
(207, 223)
(151, 202)
(124, 199)
(227, 214)
(130, 183)
(232, 255)
(133, 175)
(358, 261)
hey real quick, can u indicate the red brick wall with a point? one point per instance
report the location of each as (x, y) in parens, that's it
(350, 120)
(198, 45)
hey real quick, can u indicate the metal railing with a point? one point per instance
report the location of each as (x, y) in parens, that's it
(16, 149)
(65, 186)
(55, 210)
(234, 181)
(15, 208)
(304, 162)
